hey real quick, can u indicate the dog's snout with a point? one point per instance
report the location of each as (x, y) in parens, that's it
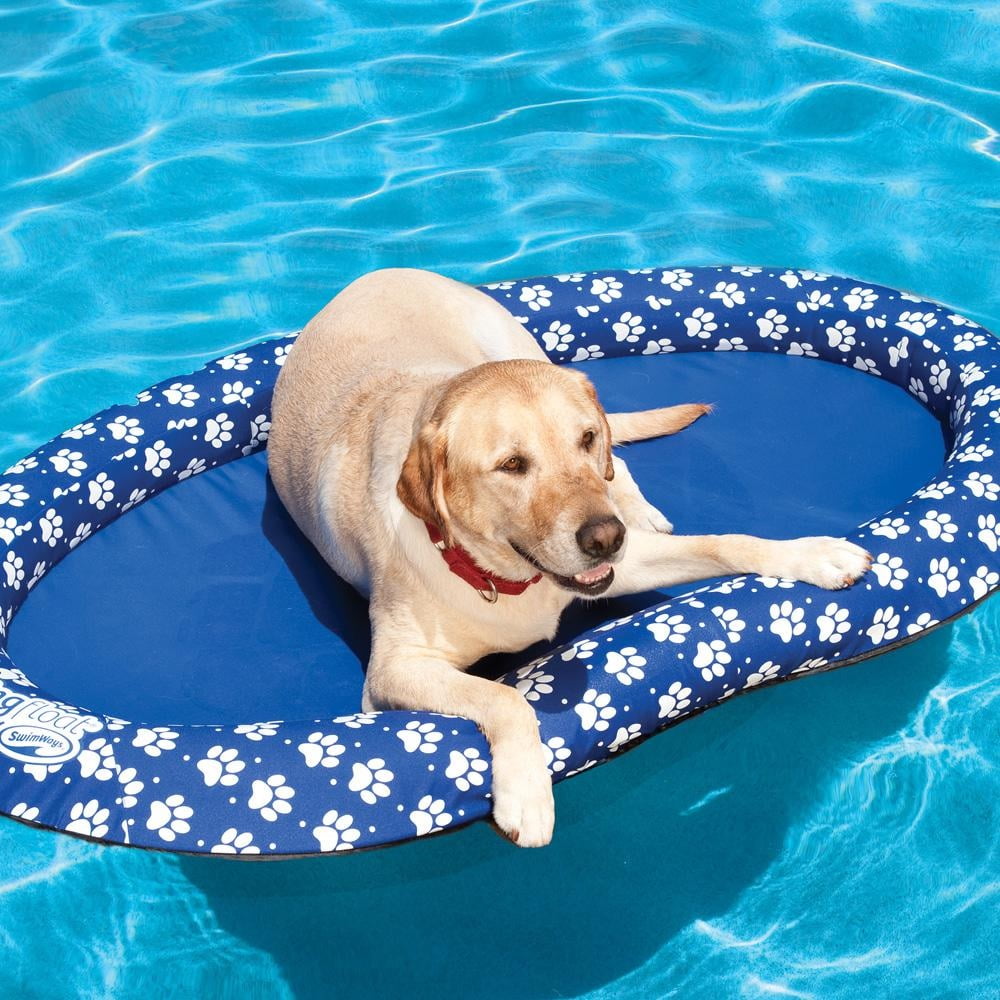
(601, 536)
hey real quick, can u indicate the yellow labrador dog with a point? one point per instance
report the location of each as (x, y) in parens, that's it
(445, 467)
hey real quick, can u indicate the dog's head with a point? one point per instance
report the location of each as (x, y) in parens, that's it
(513, 463)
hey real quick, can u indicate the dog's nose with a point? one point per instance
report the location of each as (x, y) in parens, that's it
(601, 536)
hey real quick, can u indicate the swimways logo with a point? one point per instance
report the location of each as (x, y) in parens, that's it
(39, 731)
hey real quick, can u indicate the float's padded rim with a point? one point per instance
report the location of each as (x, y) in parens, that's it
(294, 787)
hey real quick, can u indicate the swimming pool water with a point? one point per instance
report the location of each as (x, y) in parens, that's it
(179, 180)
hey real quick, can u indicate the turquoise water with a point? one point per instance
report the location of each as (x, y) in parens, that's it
(177, 181)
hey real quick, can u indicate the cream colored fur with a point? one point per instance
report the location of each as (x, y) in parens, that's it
(400, 402)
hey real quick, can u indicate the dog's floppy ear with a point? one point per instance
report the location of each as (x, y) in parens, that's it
(609, 468)
(421, 483)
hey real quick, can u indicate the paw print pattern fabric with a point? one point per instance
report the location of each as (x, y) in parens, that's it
(267, 787)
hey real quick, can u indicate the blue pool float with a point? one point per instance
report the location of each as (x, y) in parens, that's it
(205, 616)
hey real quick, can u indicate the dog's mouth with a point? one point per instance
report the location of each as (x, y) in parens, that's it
(591, 582)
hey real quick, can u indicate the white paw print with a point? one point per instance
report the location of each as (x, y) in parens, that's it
(126, 429)
(13, 569)
(572, 277)
(676, 279)
(925, 621)
(158, 458)
(866, 365)
(890, 527)
(813, 301)
(556, 754)
(79, 432)
(711, 659)
(557, 337)
(135, 497)
(729, 619)
(194, 468)
(700, 324)
(731, 344)
(606, 289)
(588, 352)
(88, 819)
(82, 533)
(989, 531)
(884, 626)
(765, 672)
(595, 710)
(939, 525)
(219, 430)
(234, 842)
(796, 349)
(625, 735)
(23, 811)
(98, 760)
(916, 388)
(169, 817)
(746, 271)
(70, 462)
(371, 780)
(337, 833)
(983, 582)
(669, 628)
(322, 750)
(429, 815)
(51, 527)
(772, 325)
(420, 736)
(981, 484)
(935, 491)
(629, 328)
(582, 649)
(661, 346)
(156, 740)
(889, 571)
(899, 352)
(860, 298)
(841, 335)
(534, 681)
(236, 392)
(585, 311)
(786, 621)
(943, 578)
(536, 297)
(281, 352)
(657, 302)
(675, 701)
(221, 767)
(131, 787)
(12, 494)
(181, 394)
(776, 582)
(101, 490)
(271, 797)
(355, 721)
(239, 362)
(938, 378)
(977, 453)
(465, 768)
(729, 294)
(833, 623)
(969, 341)
(986, 395)
(917, 323)
(260, 429)
(625, 666)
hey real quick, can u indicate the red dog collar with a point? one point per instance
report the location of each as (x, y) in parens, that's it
(463, 565)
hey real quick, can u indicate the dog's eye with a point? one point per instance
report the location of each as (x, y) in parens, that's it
(587, 440)
(513, 464)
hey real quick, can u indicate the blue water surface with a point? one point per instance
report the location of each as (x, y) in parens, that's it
(180, 180)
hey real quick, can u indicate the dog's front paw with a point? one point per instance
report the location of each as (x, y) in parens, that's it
(831, 563)
(643, 516)
(523, 805)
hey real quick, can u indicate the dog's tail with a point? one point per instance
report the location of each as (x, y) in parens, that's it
(642, 424)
